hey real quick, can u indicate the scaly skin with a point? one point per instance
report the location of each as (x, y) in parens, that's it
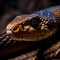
(51, 14)
(11, 43)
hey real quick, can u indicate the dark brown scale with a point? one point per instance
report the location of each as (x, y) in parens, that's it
(53, 51)
(51, 25)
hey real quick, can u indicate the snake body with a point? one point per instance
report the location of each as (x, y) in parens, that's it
(5, 41)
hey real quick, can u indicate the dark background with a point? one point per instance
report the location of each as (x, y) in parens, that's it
(11, 8)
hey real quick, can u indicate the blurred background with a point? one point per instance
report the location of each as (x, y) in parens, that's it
(11, 8)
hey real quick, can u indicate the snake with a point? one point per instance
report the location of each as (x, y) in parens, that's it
(34, 27)
(52, 13)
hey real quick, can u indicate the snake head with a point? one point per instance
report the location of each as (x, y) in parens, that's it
(32, 27)
(20, 22)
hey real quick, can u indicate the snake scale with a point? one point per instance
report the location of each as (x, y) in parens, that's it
(7, 43)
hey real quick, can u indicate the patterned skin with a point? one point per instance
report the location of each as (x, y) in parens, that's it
(6, 41)
(51, 14)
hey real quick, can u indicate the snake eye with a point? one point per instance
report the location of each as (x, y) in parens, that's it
(15, 29)
(34, 21)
